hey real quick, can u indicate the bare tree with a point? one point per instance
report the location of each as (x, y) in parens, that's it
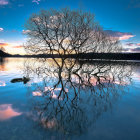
(67, 31)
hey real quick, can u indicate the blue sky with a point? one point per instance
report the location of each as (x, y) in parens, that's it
(120, 17)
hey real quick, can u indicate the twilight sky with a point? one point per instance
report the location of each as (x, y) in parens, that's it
(120, 18)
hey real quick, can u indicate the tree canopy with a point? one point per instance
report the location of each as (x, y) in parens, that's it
(67, 31)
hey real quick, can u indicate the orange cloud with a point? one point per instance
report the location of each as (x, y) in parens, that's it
(12, 48)
(3, 44)
(17, 46)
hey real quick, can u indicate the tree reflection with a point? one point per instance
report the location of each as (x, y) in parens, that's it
(70, 95)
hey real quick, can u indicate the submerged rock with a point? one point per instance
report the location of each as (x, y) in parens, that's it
(24, 80)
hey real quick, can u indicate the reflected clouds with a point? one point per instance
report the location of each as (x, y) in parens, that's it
(2, 84)
(7, 112)
(50, 91)
(73, 94)
(37, 93)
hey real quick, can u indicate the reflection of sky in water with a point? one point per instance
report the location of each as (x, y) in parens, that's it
(2, 84)
(7, 112)
(100, 116)
(53, 93)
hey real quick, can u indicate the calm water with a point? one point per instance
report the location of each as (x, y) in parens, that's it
(69, 100)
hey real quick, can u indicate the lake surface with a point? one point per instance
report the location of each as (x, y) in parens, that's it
(69, 100)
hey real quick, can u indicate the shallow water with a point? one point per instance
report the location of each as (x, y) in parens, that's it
(78, 100)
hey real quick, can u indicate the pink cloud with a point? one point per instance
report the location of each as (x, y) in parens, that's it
(25, 31)
(7, 112)
(36, 1)
(138, 44)
(119, 35)
(4, 2)
(125, 37)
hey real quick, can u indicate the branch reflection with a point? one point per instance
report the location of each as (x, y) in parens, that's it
(70, 95)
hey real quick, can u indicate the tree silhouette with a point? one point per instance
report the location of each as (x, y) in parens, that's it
(65, 32)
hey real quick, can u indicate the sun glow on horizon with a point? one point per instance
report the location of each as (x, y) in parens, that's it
(13, 48)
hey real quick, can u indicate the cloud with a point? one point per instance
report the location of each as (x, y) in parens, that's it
(4, 2)
(130, 44)
(133, 50)
(1, 40)
(7, 112)
(126, 49)
(1, 29)
(136, 49)
(3, 44)
(125, 37)
(138, 44)
(11, 45)
(133, 44)
(25, 31)
(17, 47)
(36, 1)
(119, 35)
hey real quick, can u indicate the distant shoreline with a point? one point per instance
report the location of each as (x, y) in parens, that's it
(101, 56)
(91, 56)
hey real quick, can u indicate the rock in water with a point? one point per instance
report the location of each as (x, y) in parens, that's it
(24, 80)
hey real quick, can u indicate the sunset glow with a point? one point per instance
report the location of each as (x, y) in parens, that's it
(124, 26)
